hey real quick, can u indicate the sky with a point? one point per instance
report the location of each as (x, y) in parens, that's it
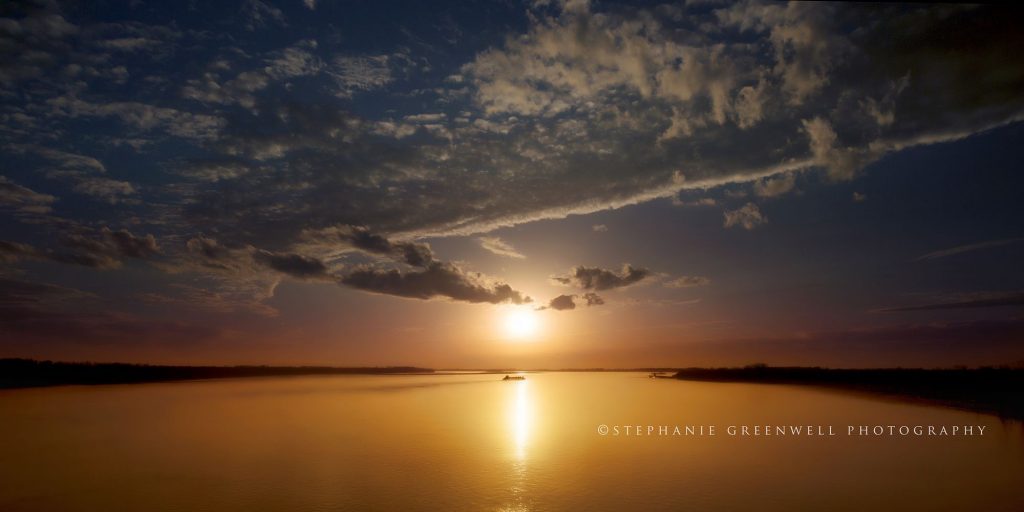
(547, 184)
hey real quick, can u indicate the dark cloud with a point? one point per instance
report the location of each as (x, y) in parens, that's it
(47, 33)
(248, 260)
(415, 254)
(104, 249)
(435, 280)
(562, 303)
(985, 301)
(14, 251)
(687, 282)
(23, 199)
(568, 302)
(295, 265)
(209, 249)
(595, 278)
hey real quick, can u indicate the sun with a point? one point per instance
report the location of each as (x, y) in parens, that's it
(521, 324)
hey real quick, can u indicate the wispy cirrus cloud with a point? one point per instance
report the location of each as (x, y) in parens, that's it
(960, 249)
(500, 247)
(972, 301)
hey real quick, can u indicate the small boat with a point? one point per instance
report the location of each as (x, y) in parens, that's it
(514, 377)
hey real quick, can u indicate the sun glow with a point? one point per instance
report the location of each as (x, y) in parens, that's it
(521, 324)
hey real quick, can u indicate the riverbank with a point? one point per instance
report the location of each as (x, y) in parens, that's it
(990, 390)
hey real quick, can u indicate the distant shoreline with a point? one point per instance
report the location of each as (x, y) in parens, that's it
(998, 391)
(987, 390)
(28, 373)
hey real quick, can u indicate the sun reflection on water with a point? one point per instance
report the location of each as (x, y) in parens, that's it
(522, 419)
(521, 424)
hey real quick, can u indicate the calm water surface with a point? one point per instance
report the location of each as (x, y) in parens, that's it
(472, 442)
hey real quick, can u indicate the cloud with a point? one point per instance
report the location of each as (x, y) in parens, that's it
(11, 252)
(291, 62)
(211, 253)
(687, 282)
(704, 201)
(239, 89)
(359, 237)
(568, 302)
(47, 33)
(571, 116)
(248, 260)
(775, 186)
(584, 108)
(360, 73)
(102, 249)
(430, 279)
(236, 278)
(953, 251)
(748, 216)
(599, 228)
(859, 197)
(562, 303)
(110, 191)
(259, 14)
(23, 199)
(105, 249)
(984, 300)
(142, 117)
(595, 278)
(437, 279)
(85, 173)
(840, 162)
(129, 44)
(294, 265)
(500, 247)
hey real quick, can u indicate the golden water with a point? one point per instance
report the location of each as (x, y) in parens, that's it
(473, 442)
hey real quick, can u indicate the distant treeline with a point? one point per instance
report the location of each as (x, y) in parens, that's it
(17, 373)
(998, 390)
